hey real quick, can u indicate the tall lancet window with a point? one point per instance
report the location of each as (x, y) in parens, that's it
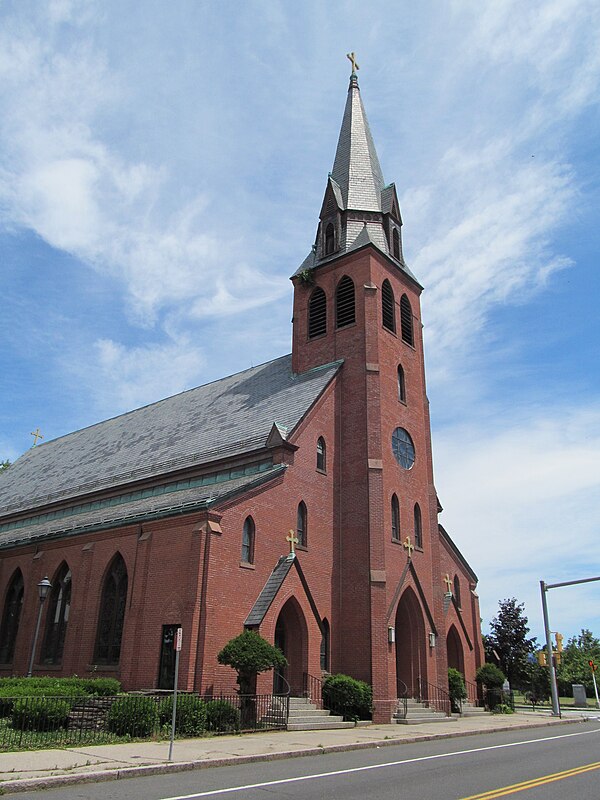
(11, 617)
(57, 616)
(112, 613)
(345, 313)
(302, 524)
(395, 518)
(418, 527)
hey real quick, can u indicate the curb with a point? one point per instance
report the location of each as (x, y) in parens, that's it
(100, 776)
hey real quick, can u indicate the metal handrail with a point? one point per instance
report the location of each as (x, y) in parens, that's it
(285, 693)
(473, 693)
(313, 689)
(433, 696)
(402, 706)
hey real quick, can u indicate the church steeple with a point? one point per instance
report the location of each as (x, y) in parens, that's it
(358, 208)
(356, 167)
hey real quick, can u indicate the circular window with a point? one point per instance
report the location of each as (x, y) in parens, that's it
(403, 448)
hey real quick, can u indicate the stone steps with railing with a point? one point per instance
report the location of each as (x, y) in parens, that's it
(305, 716)
(416, 713)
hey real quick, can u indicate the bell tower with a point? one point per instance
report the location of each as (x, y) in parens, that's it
(356, 300)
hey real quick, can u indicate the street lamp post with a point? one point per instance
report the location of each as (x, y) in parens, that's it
(44, 587)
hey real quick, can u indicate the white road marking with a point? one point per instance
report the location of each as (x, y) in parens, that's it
(318, 775)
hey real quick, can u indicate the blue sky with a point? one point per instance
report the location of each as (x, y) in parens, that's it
(162, 167)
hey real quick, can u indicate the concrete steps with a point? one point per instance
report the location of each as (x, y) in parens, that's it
(305, 716)
(417, 713)
(469, 710)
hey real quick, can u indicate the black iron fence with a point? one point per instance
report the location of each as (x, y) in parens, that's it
(42, 722)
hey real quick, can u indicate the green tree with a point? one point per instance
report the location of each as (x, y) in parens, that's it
(574, 664)
(508, 640)
(4, 465)
(249, 654)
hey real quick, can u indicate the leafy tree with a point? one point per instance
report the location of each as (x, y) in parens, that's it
(508, 640)
(4, 465)
(538, 683)
(248, 654)
(574, 666)
(492, 678)
(456, 688)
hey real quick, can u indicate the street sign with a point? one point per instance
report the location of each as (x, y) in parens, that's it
(178, 639)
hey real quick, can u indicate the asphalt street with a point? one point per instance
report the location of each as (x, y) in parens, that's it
(541, 763)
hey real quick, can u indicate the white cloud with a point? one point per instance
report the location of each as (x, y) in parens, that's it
(524, 507)
(134, 376)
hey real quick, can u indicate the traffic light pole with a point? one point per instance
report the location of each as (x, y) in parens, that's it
(549, 656)
(544, 588)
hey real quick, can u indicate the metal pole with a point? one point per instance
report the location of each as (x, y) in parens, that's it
(174, 701)
(35, 638)
(550, 655)
(595, 689)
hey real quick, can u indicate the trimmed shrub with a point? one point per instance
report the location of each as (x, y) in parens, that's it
(221, 716)
(490, 675)
(190, 716)
(40, 713)
(347, 696)
(456, 688)
(133, 715)
(492, 678)
(102, 687)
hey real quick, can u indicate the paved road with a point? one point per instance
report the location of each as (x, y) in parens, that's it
(549, 763)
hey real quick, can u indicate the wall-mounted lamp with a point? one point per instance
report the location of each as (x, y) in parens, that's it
(431, 639)
(391, 634)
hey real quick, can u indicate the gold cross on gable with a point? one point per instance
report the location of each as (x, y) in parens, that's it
(292, 540)
(408, 546)
(351, 57)
(448, 583)
(37, 435)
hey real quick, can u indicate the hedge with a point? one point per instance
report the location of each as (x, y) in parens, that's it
(133, 715)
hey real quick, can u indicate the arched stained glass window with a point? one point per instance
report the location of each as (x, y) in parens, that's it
(387, 306)
(345, 313)
(248, 535)
(457, 591)
(11, 616)
(418, 527)
(406, 320)
(395, 518)
(57, 616)
(302, 524)
(317, 313)
(112, 613)
(401, 384)
(321, 454)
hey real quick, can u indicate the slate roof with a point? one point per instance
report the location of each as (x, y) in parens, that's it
(269, 592)
(225, 418)
(167, 504)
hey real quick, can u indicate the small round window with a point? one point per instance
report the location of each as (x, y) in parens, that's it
(403, 448)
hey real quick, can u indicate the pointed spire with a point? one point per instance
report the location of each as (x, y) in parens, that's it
(356, 167)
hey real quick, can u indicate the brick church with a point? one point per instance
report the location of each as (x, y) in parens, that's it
(295, 498)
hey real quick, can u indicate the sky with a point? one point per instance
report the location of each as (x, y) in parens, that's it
(162, 167)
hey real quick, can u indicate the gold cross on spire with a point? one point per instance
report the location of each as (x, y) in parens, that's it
(37, 435)
(448, 583)
(352, 58)
(292, 540)
(408, 546)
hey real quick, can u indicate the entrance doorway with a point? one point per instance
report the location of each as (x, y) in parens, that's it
(166, 669)
(291, 636)
(454, 649)
(411, 647)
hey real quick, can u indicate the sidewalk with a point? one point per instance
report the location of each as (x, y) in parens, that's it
(25, 771)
